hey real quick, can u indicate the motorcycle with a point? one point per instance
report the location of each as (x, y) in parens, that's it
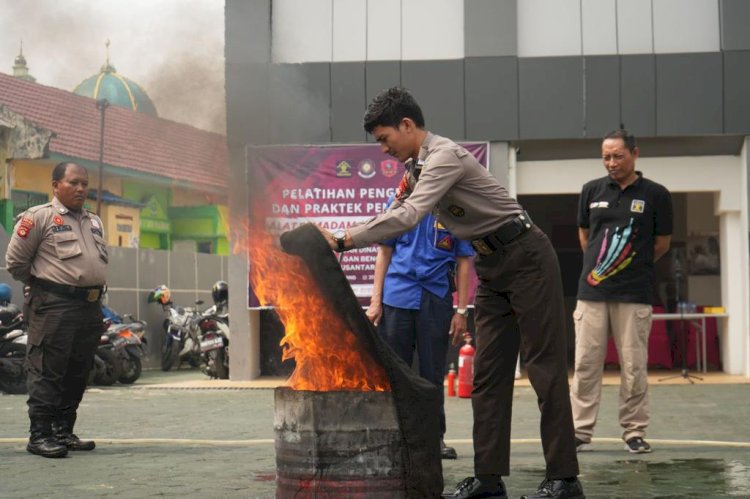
(127, 338)
(106, 369)
(13, 339)
(181, 331)
(214, 342)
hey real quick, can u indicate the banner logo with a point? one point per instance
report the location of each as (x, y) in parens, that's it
(365, 169)
(389, 167)
(343, 169)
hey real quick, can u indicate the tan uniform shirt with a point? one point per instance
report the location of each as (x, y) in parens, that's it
(464, 196)
(52, 243)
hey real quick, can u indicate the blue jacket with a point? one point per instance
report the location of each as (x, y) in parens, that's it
(422, 259)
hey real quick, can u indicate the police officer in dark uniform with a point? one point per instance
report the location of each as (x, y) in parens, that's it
(519, 294)
(59, 250)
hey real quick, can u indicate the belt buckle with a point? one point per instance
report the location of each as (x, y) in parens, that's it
(481, 247)
(93, 295)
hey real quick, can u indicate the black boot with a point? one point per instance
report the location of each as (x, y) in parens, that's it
(42, 441)
(66, 437)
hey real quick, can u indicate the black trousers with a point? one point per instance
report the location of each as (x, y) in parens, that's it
(63, 335)
(519, 303)
(428, 328)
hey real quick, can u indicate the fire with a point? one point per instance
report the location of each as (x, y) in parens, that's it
(327, 353)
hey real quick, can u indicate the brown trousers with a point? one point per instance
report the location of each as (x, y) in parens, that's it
(519, 303)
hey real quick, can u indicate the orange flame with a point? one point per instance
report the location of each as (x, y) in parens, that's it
(327, 353)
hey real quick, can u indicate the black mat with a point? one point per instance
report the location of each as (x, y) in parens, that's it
(417, 400)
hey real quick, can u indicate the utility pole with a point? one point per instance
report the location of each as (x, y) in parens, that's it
(101, 105)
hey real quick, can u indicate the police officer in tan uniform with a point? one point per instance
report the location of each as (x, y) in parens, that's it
(519, 301)
(59, 250)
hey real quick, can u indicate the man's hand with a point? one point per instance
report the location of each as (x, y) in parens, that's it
(458, 328)
(328, 237)
(375, 312)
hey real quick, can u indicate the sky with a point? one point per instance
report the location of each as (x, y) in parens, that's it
(174, 49)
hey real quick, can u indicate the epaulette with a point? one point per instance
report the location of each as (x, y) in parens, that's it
(32, 210)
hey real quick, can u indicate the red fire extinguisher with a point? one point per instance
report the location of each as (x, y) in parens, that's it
(452, 380)
(466, 368)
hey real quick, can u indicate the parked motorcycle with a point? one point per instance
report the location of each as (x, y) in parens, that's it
(106, 369)
(214, 326)
(199, 337)
(214, 344)
(181, 331)
(127, 338)
(13, 341)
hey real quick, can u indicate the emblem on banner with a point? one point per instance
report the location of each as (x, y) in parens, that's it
(343, 169)
(389, 167)
(637, 205)
(365, 169)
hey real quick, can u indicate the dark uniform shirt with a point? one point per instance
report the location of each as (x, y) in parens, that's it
(618, 264)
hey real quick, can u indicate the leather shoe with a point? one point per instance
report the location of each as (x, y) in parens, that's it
(72, 442)
(46, 446)
(558, 489)
(447, 452)
(473, 488)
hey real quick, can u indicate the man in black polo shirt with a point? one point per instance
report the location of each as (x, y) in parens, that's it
(624, 226)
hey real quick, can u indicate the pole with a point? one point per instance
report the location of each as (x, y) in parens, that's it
(101, 105)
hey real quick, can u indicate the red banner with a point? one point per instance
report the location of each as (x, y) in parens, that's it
(332, 186)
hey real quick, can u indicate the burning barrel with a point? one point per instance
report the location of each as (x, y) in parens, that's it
(337, 444)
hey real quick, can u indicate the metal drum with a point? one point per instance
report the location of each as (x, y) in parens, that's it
(337, 444)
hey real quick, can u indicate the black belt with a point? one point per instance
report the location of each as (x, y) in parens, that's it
(506, 233)
(90, 293)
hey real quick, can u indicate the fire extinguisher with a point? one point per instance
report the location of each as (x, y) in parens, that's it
(452, 380)
(466, 368)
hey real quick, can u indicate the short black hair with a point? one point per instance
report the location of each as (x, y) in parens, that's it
(390, 106)
(622, 134)
(58, 172)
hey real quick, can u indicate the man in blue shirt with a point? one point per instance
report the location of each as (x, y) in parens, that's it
(412, 299)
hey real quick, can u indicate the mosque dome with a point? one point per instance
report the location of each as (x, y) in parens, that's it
(117, 89)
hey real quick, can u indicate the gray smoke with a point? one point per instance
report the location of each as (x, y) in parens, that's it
(172, 48)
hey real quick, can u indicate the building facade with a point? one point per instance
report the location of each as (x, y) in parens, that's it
(542, 81)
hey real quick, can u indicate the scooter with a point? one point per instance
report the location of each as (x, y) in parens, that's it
(127, 338)
(214, 343)
(129, 344)
(13, 339)
(106, 368)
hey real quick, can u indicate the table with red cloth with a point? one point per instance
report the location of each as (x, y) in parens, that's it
(664, 346)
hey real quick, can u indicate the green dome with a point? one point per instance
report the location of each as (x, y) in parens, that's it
(117, 89)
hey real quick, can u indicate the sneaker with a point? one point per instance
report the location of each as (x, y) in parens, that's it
(582, 446)
(637, 445)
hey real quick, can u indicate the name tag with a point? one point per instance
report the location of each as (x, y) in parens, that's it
(599, 204)
(61, 228)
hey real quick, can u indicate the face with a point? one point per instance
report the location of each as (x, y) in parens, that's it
(72, 189)
(402, 143)
(619, 160)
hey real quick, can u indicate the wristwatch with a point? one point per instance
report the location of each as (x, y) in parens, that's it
(463, 311)
(340, 238)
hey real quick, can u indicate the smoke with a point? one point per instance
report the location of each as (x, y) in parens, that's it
(174, 49)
